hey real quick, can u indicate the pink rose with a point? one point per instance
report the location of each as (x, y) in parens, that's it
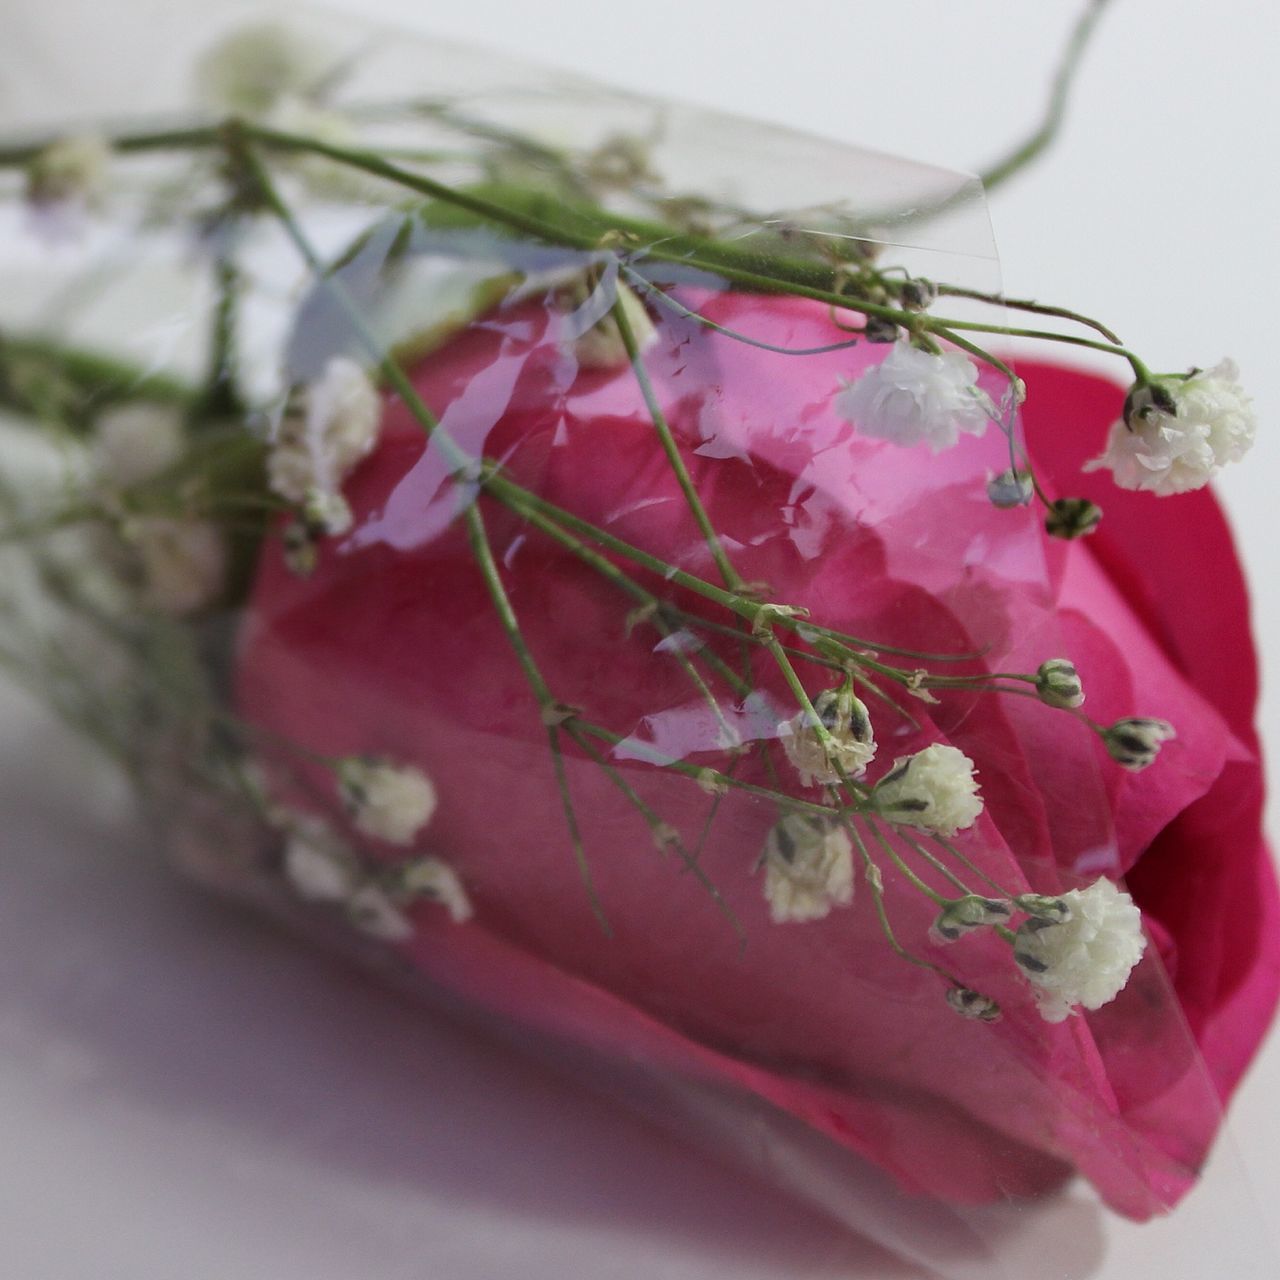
(392, 648)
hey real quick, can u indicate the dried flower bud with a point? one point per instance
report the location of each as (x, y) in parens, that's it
(1059, 685)
(1134, 742)
(880, 329)
(966, 914)
(1010, 489)
(300, 553)
(973, 1004)
(844, 751)
(918, 295)
(1072, 518)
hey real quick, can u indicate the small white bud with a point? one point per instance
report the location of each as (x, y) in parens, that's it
(436, 880)
(134, 443)
(967, 914)
(808, 868)
(69, 172)
(318, 864)
(386, 801)
(255, 68)
(972, 1004)
(1010, 489)
(1134, 742)
(1058, 684)
(373, 912)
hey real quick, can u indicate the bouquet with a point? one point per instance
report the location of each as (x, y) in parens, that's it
(628, 591)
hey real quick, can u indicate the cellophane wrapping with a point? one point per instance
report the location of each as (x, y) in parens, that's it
(525, 690)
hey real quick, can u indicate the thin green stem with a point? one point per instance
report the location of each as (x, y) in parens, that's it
(672, 450)
(1055, 111)
(876, 885)
(896, 858)
(1028, 305)
(661, 832)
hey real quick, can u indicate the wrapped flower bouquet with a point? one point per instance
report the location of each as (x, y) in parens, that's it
(595, 561)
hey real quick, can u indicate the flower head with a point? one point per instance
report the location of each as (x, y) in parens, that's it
(327, 427)
(1087, 959)
(934, 789)
(808, 868)
(849, 745)
(914, 397)
(1134, 742)
(1179, 437)
(386, 801)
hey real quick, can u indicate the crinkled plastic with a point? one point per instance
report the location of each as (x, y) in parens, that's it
(596, 412)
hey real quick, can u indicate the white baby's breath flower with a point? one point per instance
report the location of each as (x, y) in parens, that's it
(373, 912)
(934, 789)
(1087, 959)
(435, 879)
(913, 397)
(327, 427)
(386, 801)
(318, 864)
(851, 744)
(183, 561)
(808, 868)
(253, 69)
(133, 443)
(1165, 452)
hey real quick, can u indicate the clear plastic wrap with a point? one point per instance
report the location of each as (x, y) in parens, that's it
(522, 535)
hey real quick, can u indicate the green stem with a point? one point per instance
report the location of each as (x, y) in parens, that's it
(876, 885)
(671, 449)
(896, 858)
(1027, 151)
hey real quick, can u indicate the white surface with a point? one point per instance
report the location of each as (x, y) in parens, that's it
(185, 1094)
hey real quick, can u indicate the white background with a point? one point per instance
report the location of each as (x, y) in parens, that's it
(184, 1094)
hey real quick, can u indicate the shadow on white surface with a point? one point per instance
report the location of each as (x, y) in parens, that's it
(184, 1086)
(188, 1091)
